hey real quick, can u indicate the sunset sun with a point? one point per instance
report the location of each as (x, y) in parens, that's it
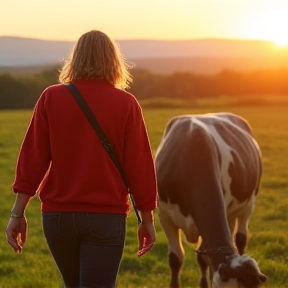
(270, 23)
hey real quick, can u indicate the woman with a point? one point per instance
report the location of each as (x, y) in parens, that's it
(84, 200)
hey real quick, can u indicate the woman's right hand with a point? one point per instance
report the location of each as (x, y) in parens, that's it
(146, 238)
(16, 233)
(146, 233)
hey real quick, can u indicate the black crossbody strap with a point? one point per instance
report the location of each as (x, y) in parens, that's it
(105, 142)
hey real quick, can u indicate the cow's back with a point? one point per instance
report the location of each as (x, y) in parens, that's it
(207, 151)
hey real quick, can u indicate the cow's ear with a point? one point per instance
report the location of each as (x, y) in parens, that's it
(225, 272)
(262, 277)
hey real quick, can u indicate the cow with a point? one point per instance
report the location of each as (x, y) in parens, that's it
(208, 171)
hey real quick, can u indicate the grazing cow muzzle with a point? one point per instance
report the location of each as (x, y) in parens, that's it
(238, 271)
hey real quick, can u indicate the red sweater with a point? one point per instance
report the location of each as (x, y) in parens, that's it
(63, 160)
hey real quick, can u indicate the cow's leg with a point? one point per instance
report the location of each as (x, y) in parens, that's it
(203, 268)
(242, 228)
(241, 241)
(176, 251)
(232, 222)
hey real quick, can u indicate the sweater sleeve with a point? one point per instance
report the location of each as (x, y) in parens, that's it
(138, 161)
(34, 157)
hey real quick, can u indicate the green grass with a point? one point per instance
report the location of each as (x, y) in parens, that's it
(268, 237)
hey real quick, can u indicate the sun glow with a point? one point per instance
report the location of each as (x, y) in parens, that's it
(270, 23)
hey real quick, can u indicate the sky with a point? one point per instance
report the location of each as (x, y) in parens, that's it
(146, 19)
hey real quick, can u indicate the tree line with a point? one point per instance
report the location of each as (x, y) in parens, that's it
(22, 92)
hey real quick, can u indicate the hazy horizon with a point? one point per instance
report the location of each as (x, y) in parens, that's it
(198, 55)
(148, 39)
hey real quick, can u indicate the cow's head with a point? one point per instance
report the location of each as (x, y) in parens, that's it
(238, 271)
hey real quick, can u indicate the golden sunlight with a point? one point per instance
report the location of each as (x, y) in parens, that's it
(269, 23)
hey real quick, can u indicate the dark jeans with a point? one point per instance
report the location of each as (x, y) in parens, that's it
(87, 247)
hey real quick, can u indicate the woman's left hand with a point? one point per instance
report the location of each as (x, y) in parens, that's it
(16, 233)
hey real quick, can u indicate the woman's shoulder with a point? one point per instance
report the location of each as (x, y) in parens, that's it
(127, 96)
(55, 88)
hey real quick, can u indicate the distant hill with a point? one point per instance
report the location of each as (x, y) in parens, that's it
(210, 65)
(199, 56)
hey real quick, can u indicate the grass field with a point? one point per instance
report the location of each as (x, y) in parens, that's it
(268, 236)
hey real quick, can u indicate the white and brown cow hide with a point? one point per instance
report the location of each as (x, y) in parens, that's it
(208, 172)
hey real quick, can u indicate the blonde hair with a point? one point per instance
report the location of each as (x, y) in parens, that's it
(96, 56)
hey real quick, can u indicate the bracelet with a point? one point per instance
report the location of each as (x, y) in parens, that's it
(12, 215)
